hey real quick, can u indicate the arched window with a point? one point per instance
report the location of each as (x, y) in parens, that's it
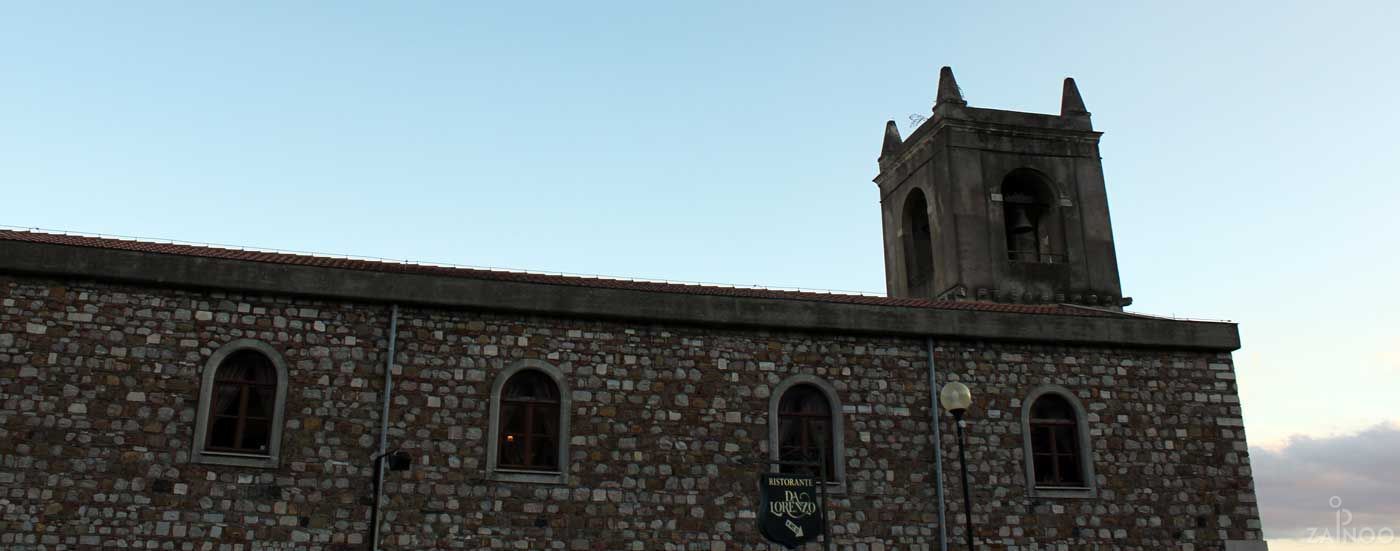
(529, 424)
(241, 403)
(1058, 460)
(245, 390)
(1055, 443)
(529, 428)
(1029, 217)
(805, 426)
(917, 237)
(804, 430)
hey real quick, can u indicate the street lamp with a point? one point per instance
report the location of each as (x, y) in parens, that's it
(956, 398)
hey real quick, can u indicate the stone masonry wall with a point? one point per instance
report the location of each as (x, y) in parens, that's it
(1169, 448)
(99, 388)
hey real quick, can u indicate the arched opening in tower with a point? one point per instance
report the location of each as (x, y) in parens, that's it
(918, 245)
(1026, 204)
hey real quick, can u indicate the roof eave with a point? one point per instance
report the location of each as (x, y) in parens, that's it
(173, 270)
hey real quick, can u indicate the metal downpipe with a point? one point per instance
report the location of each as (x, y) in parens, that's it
(383, 431)
(937, 448)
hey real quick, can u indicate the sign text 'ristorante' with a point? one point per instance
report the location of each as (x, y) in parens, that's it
(789, 510)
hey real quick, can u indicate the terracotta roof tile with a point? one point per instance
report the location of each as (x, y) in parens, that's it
(548, 279)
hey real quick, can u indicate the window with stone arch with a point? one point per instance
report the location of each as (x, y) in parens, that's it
(1058, 455)
(529, 428)
(805, 426)
(243, 394)
(529, 424)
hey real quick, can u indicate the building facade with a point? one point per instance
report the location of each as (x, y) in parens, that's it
(161, 396)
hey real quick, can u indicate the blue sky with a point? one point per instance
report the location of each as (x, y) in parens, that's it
(1248, 146)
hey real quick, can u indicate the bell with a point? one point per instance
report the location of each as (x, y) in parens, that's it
(1020, 221)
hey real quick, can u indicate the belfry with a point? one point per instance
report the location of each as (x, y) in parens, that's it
(1001, 206)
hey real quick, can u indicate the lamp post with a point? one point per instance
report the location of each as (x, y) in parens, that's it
(397, 460)
(956, 398)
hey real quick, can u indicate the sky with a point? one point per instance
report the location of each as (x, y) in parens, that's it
(1248, 154)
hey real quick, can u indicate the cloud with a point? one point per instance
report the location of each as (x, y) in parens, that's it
(1296, 483)
(1389, 361)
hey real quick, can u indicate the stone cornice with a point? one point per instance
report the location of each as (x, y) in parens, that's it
(182, 271)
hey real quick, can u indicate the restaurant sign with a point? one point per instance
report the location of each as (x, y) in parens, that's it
(789, 510)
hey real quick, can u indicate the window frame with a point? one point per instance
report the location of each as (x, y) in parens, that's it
(200, 451)
(806, 428)
(1083, 445)
(530, 409)
(494, 471)
(838, 429)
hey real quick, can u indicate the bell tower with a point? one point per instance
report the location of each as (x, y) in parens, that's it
(999, 206)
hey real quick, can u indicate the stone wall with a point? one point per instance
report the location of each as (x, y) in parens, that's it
(1168, 438)
(99, 386)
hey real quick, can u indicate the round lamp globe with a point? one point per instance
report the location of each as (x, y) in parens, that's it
(955, 396)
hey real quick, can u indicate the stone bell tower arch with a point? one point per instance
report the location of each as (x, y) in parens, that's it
(991, 205)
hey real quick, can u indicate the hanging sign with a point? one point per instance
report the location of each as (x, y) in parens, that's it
(789, 509)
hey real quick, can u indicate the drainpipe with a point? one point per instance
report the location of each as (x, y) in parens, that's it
(937, 447)
(384, 432)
